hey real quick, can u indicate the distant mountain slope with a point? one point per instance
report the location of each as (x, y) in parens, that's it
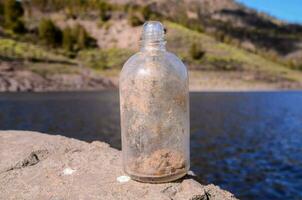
(235, 23)
(218, 56)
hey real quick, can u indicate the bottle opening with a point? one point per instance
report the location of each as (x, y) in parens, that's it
(153, 36)
(153, 31)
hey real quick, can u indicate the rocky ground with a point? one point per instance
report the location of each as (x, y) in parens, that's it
(40, 166)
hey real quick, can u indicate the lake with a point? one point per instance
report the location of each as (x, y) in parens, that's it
(249, 143)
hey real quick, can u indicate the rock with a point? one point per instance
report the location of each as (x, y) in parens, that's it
(5, 67)
(40, 166)
(12, 85)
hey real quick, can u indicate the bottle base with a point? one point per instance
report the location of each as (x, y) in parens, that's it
(158, 179)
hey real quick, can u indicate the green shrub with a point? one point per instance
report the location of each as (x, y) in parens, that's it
(195, 25)
(18, 27)
(82, 37)
(294, 64)
(225, 64)
(196, 51)
(49, 33)
(104, 59)
(1, 11)
(12, 11)
(137, 15)
(147, 12)
(68, 39)
(219, 36)
(14, 50)
(104, 10)
(77, 38)
(134, 20)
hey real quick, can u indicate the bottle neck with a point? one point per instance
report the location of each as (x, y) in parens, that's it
(159, 45)
(153, 37)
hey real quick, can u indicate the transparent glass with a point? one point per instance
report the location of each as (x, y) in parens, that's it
(154, 105)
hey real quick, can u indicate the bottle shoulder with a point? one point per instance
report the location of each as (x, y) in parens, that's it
(160, 61)
(141, 57)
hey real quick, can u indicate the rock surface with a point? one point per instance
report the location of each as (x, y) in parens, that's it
(40, 166)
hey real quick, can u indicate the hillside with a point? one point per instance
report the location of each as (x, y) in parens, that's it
(225, 45)
(231, 22)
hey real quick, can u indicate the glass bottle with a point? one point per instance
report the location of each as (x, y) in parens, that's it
(154, 105)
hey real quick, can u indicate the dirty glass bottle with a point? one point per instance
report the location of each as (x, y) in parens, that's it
(154, 105)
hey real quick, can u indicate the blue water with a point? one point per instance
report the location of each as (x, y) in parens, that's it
(248, 143)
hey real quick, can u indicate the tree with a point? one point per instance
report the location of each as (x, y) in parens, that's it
(1, 9)
(77, 38)
(18, 27)
(1, 13)
(68, 39)
(196, 51)
(81, 37)
(134, 20)
(104, 9)
(13, 11)
(147, 12)
(50, 33)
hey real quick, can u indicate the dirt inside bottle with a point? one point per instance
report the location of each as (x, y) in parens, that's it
(161, 163)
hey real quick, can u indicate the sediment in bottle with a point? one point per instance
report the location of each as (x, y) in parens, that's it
(162, 162)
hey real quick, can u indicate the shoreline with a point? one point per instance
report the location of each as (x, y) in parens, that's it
(13, 79)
